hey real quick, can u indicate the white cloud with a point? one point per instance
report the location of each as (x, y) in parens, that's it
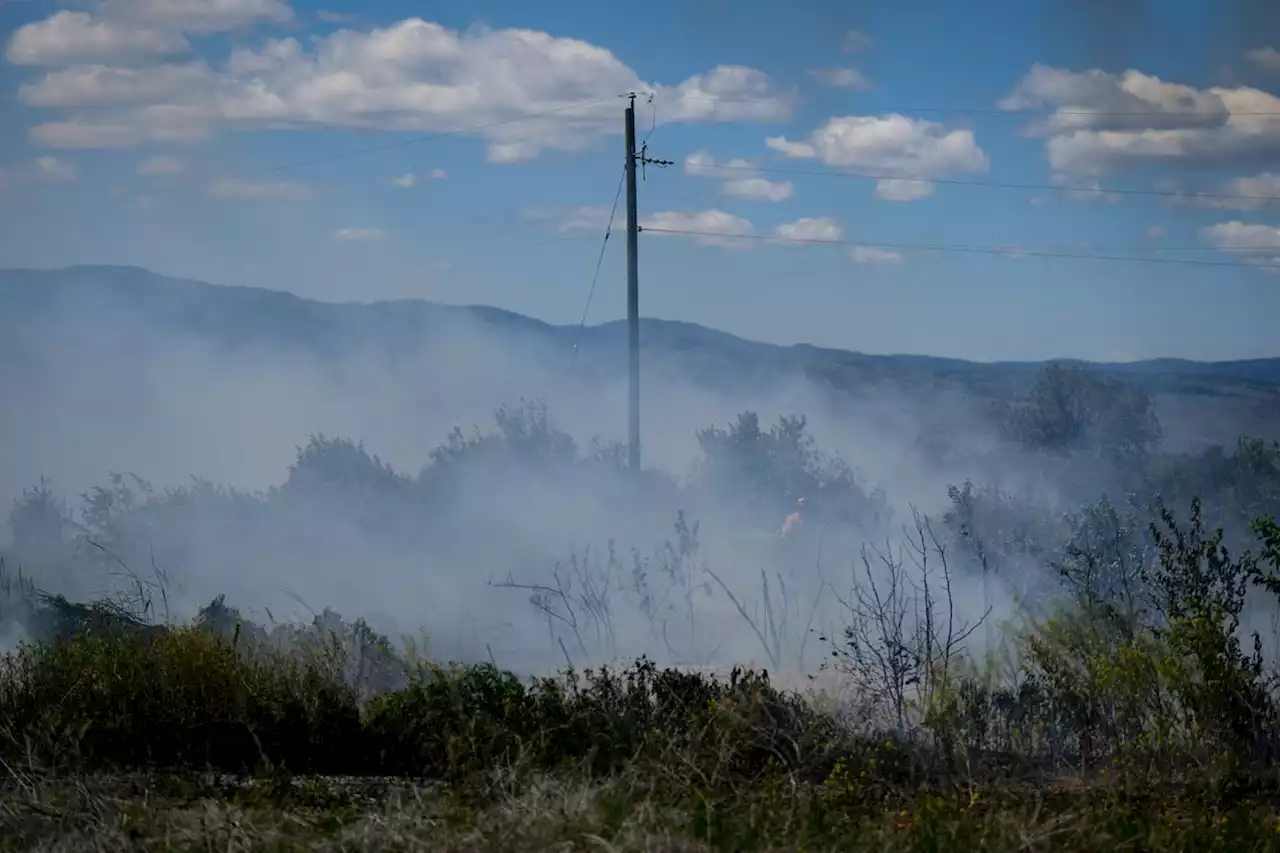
(727, 93)
(899, 189)
(242, 189)
(868, 255)
(66, 38)
(1246, 193)
(856, 42)
(758, 189)
(1086, 190)
(412, 76)
(843, 78)
(895, 145)
(167, 127)
(199, 16)
(584, 217)
(1250, 242)
(702, 164)
(1266, 58)
(356, 235)
(742, 178)
(1237, 235)
(712, 227)
(162, 165)
(52, 169)
(104, 86)
(1103, 122)
(409, 179)
(823, 228)
(1253, 192)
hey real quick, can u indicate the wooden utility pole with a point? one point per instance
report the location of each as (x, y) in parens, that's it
(633, 294)
(633, 280)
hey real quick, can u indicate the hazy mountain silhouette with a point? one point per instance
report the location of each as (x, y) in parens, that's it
(33, 301)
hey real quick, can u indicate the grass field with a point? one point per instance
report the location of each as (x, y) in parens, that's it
(184, 739)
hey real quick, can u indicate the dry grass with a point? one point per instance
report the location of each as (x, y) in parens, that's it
(99, 814)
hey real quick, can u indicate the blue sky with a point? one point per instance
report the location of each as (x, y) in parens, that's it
(280, 144)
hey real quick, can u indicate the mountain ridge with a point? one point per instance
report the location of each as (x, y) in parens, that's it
(238, 314)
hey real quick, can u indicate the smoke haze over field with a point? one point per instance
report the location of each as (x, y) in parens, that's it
(114, 370)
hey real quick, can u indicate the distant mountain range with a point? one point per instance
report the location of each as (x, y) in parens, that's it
(31, 300)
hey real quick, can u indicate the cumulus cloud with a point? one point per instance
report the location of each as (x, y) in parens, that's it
(742, 178)
(66, 38)
(856, 42)
(758, 189)
(1086, 191)
(1249, 242)
(1250, 192)
(900, 147)
(899, 189)
(822, 228)
(238, 188)
(869, 255)
(411, 76)
(356, 235)
(708, 225)
(409, 179)
(52, 169)
(161, 165)
(1260, 191)
(105, 86)
(166, 127)
(1266, 58)
(583, 217)
(1103, 122)
(199, 16)
(843, 78)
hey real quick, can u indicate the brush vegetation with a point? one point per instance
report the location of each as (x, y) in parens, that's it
(1131, 702)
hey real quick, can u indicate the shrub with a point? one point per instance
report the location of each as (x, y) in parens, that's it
(176, 698)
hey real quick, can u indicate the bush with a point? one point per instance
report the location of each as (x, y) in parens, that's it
(181, 698)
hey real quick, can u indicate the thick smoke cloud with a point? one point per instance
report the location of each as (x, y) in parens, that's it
(112, 371)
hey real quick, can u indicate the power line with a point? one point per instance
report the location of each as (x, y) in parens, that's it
(1009, 251)
(1007, 185)
(595, 278)
(1002, 111)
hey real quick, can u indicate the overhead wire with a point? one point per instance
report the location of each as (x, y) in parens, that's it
(1012, 111)
(838, 172)
(1007, 251)
(595, 278)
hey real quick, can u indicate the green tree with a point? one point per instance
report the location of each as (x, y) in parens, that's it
(1070, 410)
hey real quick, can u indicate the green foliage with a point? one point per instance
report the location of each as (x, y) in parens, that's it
(179, 698)
(762, 472)
(116, 697)
(1069, 410)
